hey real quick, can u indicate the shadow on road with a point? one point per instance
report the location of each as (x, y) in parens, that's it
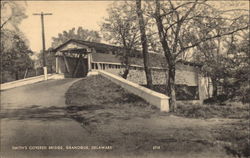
(34, 112)
(38, 112)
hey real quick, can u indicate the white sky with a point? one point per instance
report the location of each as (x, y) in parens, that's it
(69, 14)
(66, 15)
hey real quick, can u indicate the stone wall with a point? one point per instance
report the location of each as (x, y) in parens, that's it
(139, 77)
(187, 75)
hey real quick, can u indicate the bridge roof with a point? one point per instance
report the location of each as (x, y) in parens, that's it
(156, 59)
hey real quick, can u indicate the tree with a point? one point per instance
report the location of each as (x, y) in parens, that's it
(121, 29)
(50, 60)
(178, 34)
(15, 54)
(215, 53)
(237, 85)
(144, 43)
(80, 34)
(12, 13)
(243, 75)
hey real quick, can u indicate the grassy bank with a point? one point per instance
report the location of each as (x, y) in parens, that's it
(236, 111)
(134, 128)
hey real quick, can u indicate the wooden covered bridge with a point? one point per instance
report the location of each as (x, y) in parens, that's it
(75, 58)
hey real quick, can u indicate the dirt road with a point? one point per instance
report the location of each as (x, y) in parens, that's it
(33, 118)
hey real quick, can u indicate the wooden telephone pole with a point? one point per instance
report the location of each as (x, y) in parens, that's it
(43, 41)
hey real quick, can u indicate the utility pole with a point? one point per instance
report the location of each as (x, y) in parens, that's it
(43, 42)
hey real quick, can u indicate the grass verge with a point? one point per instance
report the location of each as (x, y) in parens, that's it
(213, 111)
(133, 127)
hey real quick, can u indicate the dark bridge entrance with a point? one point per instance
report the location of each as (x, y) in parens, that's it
(77, 67)
(72, 62)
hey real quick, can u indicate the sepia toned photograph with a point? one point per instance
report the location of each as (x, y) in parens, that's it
(125, 79)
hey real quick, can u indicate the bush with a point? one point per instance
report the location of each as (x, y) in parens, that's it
(220, 99)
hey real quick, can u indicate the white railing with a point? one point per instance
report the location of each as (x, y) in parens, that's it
(27, 81)
(109, 65)
(154, 98)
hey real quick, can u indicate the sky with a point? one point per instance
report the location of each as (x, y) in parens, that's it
(69, 14)
(66, 15)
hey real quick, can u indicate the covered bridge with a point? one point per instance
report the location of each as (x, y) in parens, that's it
(75, 58)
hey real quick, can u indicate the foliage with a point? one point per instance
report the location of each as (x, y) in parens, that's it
(219, 55)
(15, 53)
(227, 64)
(79, 34)
(50, 61)
(121, 28)
(12, 13)
(184, 26)
(238, 81)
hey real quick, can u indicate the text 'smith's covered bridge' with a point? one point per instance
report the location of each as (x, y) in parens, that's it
(75, 58)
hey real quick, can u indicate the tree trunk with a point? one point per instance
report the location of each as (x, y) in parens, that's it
(16, 75)
(51, 69)
(171, 87)
(125, 73)
(215, 87)
(26, 73)
(127, 67)
(170, 76)
(167, 90)
(144, 43)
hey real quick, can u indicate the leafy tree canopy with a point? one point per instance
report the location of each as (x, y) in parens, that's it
(79, 34)
(12, 14)
(15, 52)
(120, 27)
